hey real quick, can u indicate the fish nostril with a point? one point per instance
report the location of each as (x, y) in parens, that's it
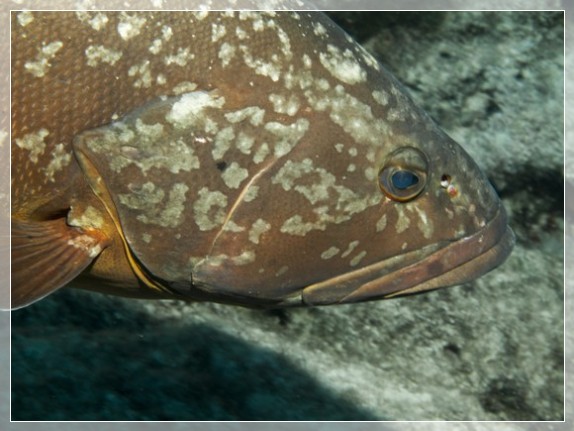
(446, 183)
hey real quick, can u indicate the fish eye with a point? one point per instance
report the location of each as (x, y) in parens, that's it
(402, 180)
(404, 174)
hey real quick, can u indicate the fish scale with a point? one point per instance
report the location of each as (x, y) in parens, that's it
(252, 158)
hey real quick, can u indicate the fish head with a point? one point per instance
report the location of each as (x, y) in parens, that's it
(299, 173)
(350, 218)
(236, 206)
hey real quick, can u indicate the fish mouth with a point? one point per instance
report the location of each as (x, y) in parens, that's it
(437, 265)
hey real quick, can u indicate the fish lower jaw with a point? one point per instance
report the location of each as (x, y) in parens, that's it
(435, 266)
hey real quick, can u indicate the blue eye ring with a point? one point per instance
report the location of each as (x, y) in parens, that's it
(404, 174)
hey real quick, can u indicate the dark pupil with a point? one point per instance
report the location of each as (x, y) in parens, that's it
(404, 179)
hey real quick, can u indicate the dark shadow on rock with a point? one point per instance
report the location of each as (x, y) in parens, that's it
(537, 198)
(366, 24)
(100, 360)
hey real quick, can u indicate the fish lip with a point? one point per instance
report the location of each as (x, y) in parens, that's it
(437, 265)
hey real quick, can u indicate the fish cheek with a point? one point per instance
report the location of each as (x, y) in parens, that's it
(304, 225)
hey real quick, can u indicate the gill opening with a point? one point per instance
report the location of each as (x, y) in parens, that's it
(101, 191)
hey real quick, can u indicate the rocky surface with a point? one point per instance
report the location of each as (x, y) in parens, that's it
(489, 350)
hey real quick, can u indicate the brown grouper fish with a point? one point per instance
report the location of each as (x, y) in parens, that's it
(256, 158)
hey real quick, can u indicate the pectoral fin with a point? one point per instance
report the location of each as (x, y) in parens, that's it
(47, 255)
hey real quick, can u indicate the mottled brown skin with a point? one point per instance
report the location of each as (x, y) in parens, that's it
(72, 98)
(289, 211)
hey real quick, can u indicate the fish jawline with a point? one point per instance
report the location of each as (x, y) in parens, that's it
(438, 265)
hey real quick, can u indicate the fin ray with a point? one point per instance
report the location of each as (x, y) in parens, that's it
(46, 255)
